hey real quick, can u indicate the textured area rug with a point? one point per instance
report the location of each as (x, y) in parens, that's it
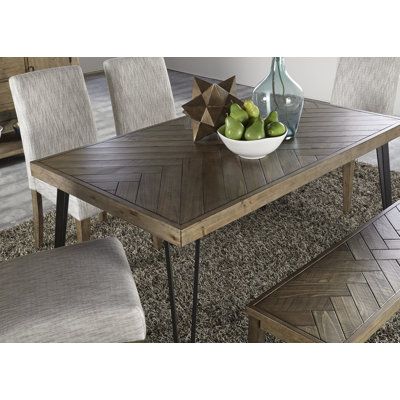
(238, 262)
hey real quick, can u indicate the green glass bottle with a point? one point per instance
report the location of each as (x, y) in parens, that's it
(279, 92)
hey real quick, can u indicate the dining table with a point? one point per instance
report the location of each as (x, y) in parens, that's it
(180, 191)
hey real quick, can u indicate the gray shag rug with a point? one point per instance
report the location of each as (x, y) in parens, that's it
(238, 262)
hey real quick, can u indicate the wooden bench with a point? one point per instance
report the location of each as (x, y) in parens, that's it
(344, 295)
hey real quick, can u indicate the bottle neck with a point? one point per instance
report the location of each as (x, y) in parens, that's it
(278, 64)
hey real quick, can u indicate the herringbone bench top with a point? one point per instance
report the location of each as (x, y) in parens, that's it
(344, 295)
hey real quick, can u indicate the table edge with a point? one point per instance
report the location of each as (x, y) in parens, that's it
(184, 233)
(260, 197)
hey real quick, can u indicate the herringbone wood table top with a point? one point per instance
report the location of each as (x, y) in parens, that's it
(347, 294)
(160, 180)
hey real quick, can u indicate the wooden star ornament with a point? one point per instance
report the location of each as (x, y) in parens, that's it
(209, 105)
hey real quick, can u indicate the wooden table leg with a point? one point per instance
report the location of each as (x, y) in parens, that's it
(61, 218)
(255, 335)
(157, 242)
(384, 175)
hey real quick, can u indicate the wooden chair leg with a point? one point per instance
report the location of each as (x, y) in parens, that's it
(103, 216)
(348, 175)
(256, 335)
(83, 230)
(37, 209)
(157, 242)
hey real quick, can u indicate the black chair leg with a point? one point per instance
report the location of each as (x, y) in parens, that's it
(61, 218)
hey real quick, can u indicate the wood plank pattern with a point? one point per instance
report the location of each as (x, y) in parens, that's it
(380, 286)
(387, 254)
(234, 182)
(127, 190)
(171, 179)
(347, 265)
(392, 244)
(253, 174)
(312, 330)
(192, 189)
(149, 189)
(372, 238)
(349, 299)
(359, 248)
(364, 299)
(347, 313)
(212, 186)
(394, 218)
(385, 228)
(391, 269)
(289, 161)
(213, 182)
(328, 326)
(272, 167)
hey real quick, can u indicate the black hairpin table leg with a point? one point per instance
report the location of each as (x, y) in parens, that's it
(61, 218)
(195, 290)
(384, 175)
(171, 292)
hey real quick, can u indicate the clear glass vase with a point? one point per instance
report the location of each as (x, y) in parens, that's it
(279, 92)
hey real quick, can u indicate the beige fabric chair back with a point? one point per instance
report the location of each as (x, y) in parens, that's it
(140, 91)
(367, 83)
(53, 110)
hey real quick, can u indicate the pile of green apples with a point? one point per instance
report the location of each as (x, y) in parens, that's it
(246, 123)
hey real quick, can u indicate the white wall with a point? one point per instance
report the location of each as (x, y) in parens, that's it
(251, 70)
(248, 71)
(314, 74)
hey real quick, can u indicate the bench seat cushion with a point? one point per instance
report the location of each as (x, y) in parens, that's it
(81, 293)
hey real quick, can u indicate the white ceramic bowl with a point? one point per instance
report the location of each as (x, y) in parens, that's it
(252, 149)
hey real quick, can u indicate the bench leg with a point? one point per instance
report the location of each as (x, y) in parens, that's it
(348, 174)
(256, 335)
(384, 175)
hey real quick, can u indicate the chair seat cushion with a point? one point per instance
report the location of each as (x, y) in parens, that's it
(76, 207)
(80, 293)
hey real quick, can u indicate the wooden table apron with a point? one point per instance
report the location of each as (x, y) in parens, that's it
(181, 191)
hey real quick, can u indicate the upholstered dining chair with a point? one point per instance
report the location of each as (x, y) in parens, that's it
(140, 92)
(80, 293)
(54, 115)
(141, 95)
(369, 84)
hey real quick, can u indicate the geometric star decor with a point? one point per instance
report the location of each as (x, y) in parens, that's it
(209, 105)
